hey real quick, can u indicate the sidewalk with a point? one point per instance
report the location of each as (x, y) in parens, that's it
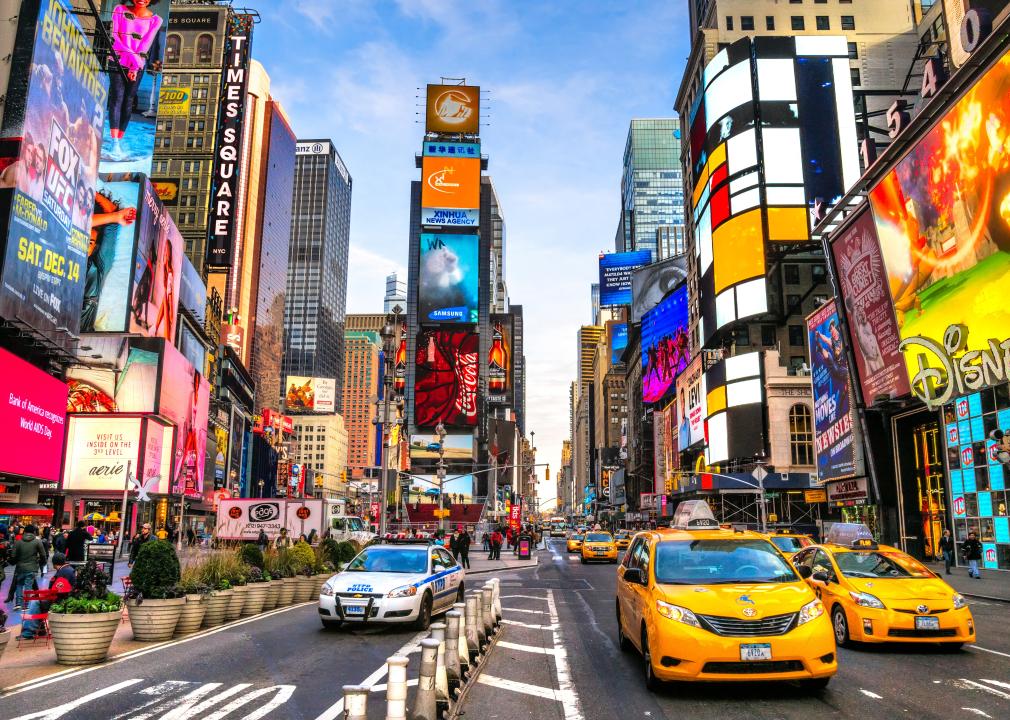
(479, 564)
(994, 585)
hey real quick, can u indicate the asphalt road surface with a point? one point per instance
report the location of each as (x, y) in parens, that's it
(558, 658)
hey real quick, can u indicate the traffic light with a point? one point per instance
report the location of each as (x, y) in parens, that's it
(547, 474)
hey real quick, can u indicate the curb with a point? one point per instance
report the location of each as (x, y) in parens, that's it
(527, 566)
(990, 598)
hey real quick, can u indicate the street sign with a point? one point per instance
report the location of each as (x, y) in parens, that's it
(759, 473)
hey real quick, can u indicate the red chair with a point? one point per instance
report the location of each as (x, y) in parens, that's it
(43, 617)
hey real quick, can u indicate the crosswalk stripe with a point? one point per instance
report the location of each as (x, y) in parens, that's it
(519, 687)
(531, 626)
(61, 710)
(985, 688)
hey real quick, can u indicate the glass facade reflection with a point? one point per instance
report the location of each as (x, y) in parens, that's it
(652, 189)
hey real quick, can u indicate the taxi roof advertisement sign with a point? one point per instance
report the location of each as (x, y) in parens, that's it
(453, 109)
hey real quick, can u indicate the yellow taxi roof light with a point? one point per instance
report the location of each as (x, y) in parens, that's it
(854, 535)
(693, 514)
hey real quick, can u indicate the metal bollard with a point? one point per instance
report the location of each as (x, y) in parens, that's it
(497, 599)
(396, 688)
(355, 702)
(486, 611)
(441, 677)
(425, 701)
(479, 621)
(472, 623)
(461, 646)
(495, 612)
(452, 669)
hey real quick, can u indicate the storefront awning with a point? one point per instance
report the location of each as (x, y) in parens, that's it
(19, 509)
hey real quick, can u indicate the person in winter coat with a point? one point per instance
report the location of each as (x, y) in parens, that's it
(61, 583)
(462, 541)
(76, 541)
(972, 550)
(28, 556)
(262, 540)
(144, 536)
(947, 550)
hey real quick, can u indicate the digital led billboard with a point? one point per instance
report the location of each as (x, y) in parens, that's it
(56, 104)
(157, 270)
(666, 347)
(652, 283)
(425, 488)
(456, 447)
(448, 185)
(445, 378)
(617, 340)
(453, 109)
(691, 395)
(944, 230)
(829, 370)
(310, 394)
(32, 419)
(616, 270)
(184, 399)
(734, 406)
(499, 360)
(448, 278)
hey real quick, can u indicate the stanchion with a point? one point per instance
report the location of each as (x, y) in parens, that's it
(396, 688)
(452, 669)
(426, 701)
(496, 583)
(441, 678)
(486, 611)
(355, 702)
(461, 646)
(472, 626)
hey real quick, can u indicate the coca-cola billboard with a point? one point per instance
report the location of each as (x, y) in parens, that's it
(445, 379)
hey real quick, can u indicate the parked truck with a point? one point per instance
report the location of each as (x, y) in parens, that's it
(243, 518)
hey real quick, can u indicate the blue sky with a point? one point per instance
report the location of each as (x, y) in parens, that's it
(562, 80)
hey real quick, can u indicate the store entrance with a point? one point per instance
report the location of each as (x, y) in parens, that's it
(921, 483)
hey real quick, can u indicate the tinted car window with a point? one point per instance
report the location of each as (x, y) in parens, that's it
(599, 537)
(447, 560)
(715, 562)
(379, 559)
(631, 556)
(882, 565)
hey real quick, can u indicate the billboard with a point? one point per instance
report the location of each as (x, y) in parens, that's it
(616, 270)
(734, 404)
(440, 148)
(666, 347)
(174, 101)
(445, 378)
(829, 370)
(456, 446)
(453, 109)
(32, 411)
(652, 283)
(242, 519)
(129, 384)
(449, 184)
(55, 103)
(193, 291)
(138, 35)
(310, 394)
(448, 278)
(98, 450)
(225, 194)
(944, 231)
(691, 404)
(425, 488)
(618, 340)
(862, 282)
(157, 270)
(184, 399)
(500, 374)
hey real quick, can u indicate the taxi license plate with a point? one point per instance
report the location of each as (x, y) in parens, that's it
(354, 609)
(926, 622)
(755, 651)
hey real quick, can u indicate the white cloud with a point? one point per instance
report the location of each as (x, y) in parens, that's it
(366, 284)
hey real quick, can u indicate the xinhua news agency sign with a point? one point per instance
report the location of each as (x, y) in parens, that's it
(227, 158)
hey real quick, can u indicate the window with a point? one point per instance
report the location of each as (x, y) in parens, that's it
(204, 47)
(729, 22)
(769, 23)
(172, 46)
(820, 2)
(768, 335)
(746, 22)
(853, 51)
(792, 304)
(795, 2)
(796, 335)
(855, 77)
(797, 22)
(791, 274)
(823, 23)
(848, 22)
(741, 335)
(801, 435)
(817, 273)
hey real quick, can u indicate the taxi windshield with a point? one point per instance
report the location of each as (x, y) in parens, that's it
(720, 562)
(393, 560)
(577, 536)
(881, 565)
(787, 544)
(599, 537)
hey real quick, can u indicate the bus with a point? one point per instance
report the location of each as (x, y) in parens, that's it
(558, 527)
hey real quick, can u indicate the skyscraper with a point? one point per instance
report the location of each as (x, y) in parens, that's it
(652, 188)
(361, 377)
(396, 293)
(314, 313)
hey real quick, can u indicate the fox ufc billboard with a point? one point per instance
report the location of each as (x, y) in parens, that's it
(453, 109)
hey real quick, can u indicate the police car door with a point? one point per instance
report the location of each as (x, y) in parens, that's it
(445, 587)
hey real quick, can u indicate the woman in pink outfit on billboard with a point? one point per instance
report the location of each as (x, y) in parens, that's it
(167, 307)
(134, 29)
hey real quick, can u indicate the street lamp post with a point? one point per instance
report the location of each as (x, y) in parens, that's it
(389, 335)
(440, 471)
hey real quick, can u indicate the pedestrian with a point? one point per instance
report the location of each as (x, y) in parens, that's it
(454, 545)
(60, 541)
(75, 542)
(144, 536)
(312, 536)
(190, 537)
(162, 533)
(282, 541)
(947, 550)
(485, 540)
(62, 583)
(463, 547)
(972, 549)
(262, 540)
(496, 541)
(28, 557)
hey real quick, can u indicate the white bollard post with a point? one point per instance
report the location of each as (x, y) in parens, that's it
(396, 688)
(426, 701)
(355, 702)
(485, 608)
(497, 599)
(472, 626)
(461, 646)
(452, 669)
(441, 677)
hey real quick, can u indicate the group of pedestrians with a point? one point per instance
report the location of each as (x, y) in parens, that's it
(970, 548)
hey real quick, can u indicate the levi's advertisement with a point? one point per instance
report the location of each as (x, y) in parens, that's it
(833, 432)
(32, 419)
(56, 104)
(242, 519)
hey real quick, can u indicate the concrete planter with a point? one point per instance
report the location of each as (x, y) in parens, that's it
(192, 614)
(306, 585)
(273, 592)
(287, 592)
(155, 620)
(217, 607)
(83, 639)
(234, 610)
(255, 595)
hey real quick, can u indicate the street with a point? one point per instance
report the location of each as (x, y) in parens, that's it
(598, 681)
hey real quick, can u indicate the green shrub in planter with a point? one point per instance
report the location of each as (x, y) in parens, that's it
(251, 555)
(155, 573)
(303, 560)
(345, 552)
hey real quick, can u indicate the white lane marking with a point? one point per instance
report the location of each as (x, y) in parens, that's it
(283, 694)
(978, 712)
(869, 694)
(526, 648)
(566, 688)
(997, 683)
(528, 597)
(157, 692)
(532, 612)
(115, 659)
(994, 652)
(519, 687)
(531, 626)
(61, 710)
(984, 688)
(191, 708)
(337, 709)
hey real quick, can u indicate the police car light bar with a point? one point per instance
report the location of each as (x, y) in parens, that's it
(693, 514)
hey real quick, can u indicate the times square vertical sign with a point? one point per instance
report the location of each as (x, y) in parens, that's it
(222, 228)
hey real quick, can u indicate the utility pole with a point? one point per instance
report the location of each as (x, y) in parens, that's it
(390, 334)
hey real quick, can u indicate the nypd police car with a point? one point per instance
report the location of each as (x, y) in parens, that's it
(392, 582)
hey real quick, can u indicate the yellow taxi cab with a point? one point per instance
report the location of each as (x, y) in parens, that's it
(599, 546)
(876, 593)
(575, 542)
(790, 543)
(705, 603)
(622, 540)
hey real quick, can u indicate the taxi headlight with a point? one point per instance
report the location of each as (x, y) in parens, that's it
(866, 600)
(405, 591)
(959, 601)
(812, 610)
(678, 613)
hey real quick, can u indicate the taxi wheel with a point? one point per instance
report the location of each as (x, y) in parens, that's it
(952, 647)
(652, 683)
(840, 624)
(622, 640)
(424, 614)
(583, 559)
(815, 685)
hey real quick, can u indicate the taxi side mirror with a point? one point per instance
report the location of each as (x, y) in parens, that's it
(821, 576)
(804, 571)
(634, 576)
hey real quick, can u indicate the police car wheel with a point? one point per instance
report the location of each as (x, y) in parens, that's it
(331, 624)
(622, 640)
(841, 626)
(424, 614)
